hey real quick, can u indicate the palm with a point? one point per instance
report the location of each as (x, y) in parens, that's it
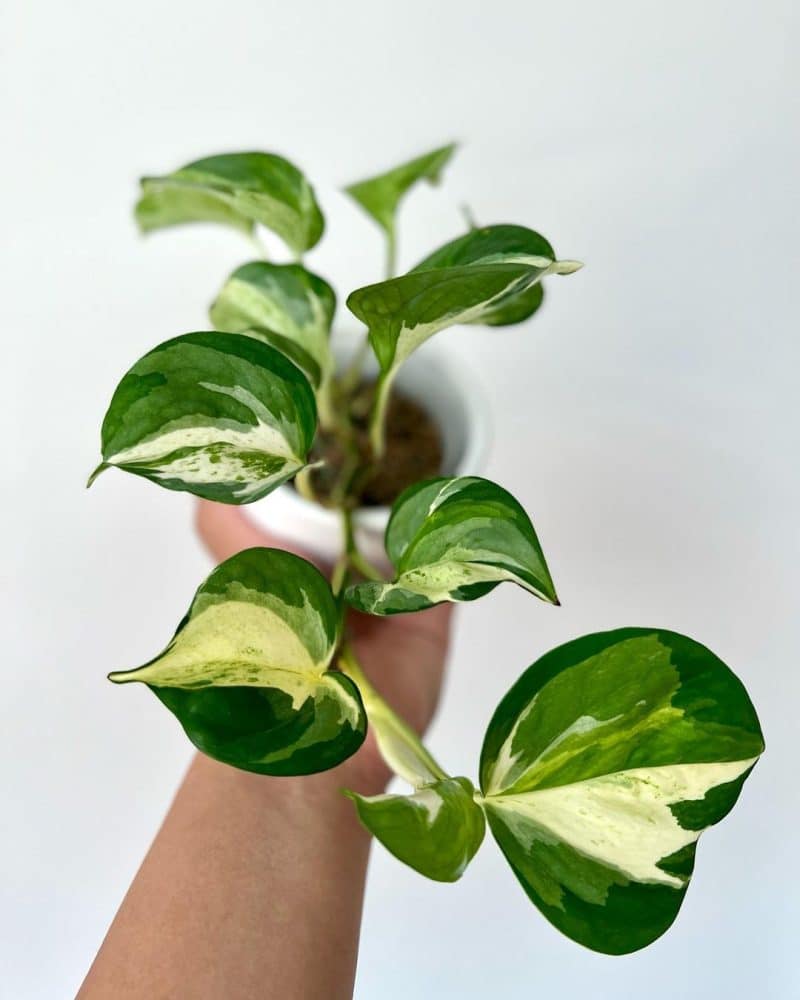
(403, 657)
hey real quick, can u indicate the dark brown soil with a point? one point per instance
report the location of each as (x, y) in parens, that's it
(413, 451)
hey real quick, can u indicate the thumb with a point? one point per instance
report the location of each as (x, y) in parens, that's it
(225, 530)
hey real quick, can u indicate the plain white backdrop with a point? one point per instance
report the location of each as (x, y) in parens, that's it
(646, 419)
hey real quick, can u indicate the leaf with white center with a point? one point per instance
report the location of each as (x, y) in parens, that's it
(455, 540)
(601, 768)
(235, 189)
(379, 196)
(288, 307)
(220, 415)
(438, 828)
(247, 676)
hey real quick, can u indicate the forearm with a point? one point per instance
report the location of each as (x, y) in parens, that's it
(252, 888)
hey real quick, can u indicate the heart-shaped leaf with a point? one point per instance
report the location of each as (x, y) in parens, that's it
(287, 306)
(379, 196)
(236, 189)
(220, 415)
(247, 674)
(455, 540)
(486, 276)
(436, 830)
(600, 769)
(482, 245)
(466, 281)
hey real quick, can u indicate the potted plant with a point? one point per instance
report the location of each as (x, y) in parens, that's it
(610, 754)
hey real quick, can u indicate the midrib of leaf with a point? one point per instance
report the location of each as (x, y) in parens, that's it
(536, 773)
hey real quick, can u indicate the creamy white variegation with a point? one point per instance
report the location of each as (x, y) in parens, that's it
(249, 639)
(440, 581)
(259, 309)
(505, 768)
(620, 820)
(399, 745)
(219, 449)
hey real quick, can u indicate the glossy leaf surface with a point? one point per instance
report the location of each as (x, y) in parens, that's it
(479, 278)
(601, 768)
(235, 189)
(285, 305)
(436, 830)
(438, 827)
(220, 415)
(455, 540)
(247, 674)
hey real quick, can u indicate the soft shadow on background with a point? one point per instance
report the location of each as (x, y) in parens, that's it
(646, 419)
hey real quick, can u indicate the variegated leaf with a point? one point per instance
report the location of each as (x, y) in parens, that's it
(601, 768)
(236, 189)
(379, 196)
(455, 540)
(482, 246)
(220, 415)
(436, 831)
(287, 306)
(247, 673)
(467, 281)
(438, 828)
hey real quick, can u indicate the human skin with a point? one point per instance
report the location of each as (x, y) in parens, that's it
(253, 886)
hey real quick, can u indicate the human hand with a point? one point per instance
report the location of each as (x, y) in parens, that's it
(403, 656)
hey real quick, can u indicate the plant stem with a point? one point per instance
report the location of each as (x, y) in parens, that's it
(382, 715)
(377, 420)
(302, 482)
(339, 574)
(391, 253)
(352, 374)
(259, 247)
(364, 566)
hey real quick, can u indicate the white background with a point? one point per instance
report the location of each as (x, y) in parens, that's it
(646, 419)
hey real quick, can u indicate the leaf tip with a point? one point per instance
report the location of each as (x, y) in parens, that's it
(566, 266)
(100, 468)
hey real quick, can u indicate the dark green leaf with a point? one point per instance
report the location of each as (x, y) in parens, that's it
(455, 540)
(247, 676)
(220, 415)
(600, 769)
(237, 189)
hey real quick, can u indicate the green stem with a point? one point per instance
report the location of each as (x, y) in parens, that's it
(351, 377)
(377, 420)
(339, 574)
(364, 566)
(259, 247)
(382, 715)
(391, 253)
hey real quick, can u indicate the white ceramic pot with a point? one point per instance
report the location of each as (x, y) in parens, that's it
(452, 396)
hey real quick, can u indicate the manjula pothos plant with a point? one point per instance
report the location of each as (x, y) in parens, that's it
(607, 758)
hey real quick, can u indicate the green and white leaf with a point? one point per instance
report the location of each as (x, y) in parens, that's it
(235, 189)
(286, 306)
(601, 768)
(486, 276)
(468, 284)
(436, 831)
(455, 540)
(379, 196)
(247, 673)
(488, 244)
(220, 415)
